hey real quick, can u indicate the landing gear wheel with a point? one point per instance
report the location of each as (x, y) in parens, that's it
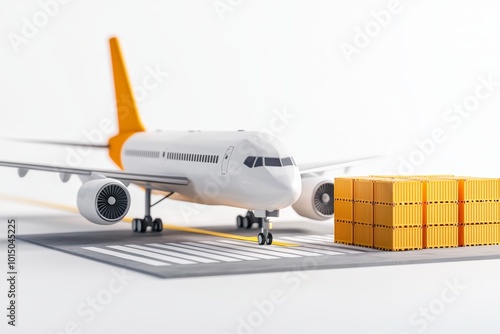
(141, 225)
(239, 221)
(246, 223)
(261, 238)
(269, 240)
(157, 225)
(134, 225)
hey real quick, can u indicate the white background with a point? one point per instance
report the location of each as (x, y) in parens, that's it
(233, 70)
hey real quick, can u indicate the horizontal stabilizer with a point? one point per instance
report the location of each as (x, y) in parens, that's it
(50, 142)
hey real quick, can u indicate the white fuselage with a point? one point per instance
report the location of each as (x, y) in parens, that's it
(223, 168)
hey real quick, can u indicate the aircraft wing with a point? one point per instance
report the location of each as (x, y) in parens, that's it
(152, 181)
(332, 165)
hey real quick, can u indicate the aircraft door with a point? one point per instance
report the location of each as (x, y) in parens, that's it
(225, 160)
(164, 156)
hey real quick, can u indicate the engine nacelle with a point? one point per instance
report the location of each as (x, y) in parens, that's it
(103, 201)
(316, 199)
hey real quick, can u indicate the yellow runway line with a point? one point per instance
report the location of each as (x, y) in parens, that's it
(39, 203)
(129, 220)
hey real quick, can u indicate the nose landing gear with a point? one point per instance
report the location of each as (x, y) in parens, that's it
(265, 237)
(259, 217)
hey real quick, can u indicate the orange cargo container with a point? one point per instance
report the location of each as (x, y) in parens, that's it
(343, 188)
(479, 212)
(363, 190)
(343, 210)
(440, 214)
(478, 234)
(397, 191)
(413, 176)
(440, 236)
(436, 190)
(343, 232)
(471, 189)
(397, 238)
(363, 213)
(398, 215)
(363, 235)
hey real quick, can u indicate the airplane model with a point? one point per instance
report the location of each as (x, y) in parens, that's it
(215, 168)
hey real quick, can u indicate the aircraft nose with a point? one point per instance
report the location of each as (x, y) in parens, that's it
(288, 187)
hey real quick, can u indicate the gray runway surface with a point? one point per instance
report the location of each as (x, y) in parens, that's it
(175, 254)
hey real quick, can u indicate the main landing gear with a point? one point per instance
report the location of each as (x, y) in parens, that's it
(248, 221)
(140, 225)
(259, 217)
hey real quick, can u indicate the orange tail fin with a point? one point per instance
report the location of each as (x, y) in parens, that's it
(129, 121)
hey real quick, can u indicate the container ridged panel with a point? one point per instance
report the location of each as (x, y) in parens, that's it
(396, 239)
(363, 235)
(440, 191)
(413, 176)
(479, 234)
(343, 188)
(480, 212)
(397, 191)
(343, 232)
(363, 190)
(478, 189)
(440, 236)
(436, 188)
(343, 210)
(363, 213)
(441, 214)
(398, 215)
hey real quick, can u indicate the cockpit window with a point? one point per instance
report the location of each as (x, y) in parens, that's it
(272, 162)
(252, 162)
(287, 161)
(249, 161)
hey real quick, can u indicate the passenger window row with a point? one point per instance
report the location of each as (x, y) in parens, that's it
(207, 158)
(142, 154)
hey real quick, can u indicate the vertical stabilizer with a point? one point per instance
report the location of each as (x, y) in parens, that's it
(129, 121)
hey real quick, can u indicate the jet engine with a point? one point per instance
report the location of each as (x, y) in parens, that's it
(103, 201)
(316, 199)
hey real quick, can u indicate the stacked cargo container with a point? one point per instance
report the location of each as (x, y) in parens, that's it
(363, 212)
(343, 193)
(440, 212)
(414, 212)
(397, 214)
(478, 211)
